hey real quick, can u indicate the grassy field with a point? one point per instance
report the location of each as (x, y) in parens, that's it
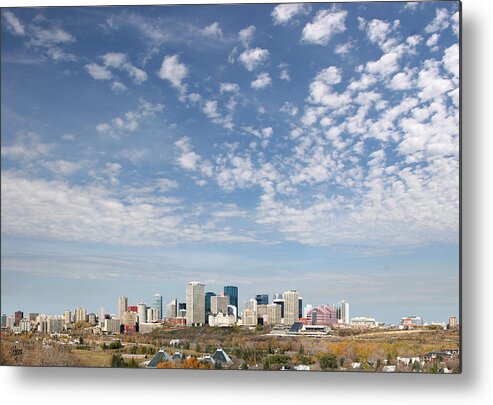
(89, 358)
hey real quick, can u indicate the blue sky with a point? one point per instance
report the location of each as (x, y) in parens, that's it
(307, 146)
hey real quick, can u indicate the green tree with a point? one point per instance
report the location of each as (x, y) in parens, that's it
(117, 360)
(327, 361)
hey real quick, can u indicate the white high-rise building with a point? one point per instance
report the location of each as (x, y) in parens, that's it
(172, 309)
(142, 312)
(195, 303)
(80, 315)
(101, 316)
(291, 307)
(67, 317)
(344, 312)
(122, 306)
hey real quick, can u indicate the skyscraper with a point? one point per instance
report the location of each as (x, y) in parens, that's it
(262, 299)
(142, 312)
(232, 291)
(219, 303)
(291, 307)
(122, 306)
(172, 309)
(195, 303)
(18, 315)
(80, 315)
(343, 312)
(157, 303)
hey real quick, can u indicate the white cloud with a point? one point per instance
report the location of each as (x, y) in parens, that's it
(253, 58)
(325, 24)
(455, 23)
(432, 41)
(263, 80)
(386, 65)
(27, 147)
(289, 108)
(284, 75)
(187, 158)
(210, 109)
(283, 13)
(173, 71)
(98, 72)
(14, 25)
(213, 30)
(130, 121)
(401, 81)
(432, 85)
(343, 49)
(451, 60)
(63, 167)
(440, 22)
(164, 185)
(118, 87)
(114, 59)
(229, 88)
(246, 35)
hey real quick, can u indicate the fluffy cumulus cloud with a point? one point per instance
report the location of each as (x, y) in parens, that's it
(246, 34)
(324, 26)
(251, 59)
(173, 71)
(283, 13)
(263, 80)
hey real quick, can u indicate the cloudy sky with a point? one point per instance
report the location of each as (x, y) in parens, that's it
(306, 146)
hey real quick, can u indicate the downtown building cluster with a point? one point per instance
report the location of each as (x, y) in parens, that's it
(201, 307)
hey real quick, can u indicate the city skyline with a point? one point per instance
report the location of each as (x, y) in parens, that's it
(309, 146)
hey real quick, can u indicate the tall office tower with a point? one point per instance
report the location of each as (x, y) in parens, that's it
(208, 296)
(273, 314)
(219, 303)
(452, 322)
(280, 302)
(142, 312)
(172, 309)
(4, 320)
(122, 306)
(101, 316)
(67, 317)
(300, 307)
(18, 315)
(157, 303)
(250, 313)
(232, 291)
(343, 312)
(291, 307)
(262, 299)
(80, 315)
(195, 303)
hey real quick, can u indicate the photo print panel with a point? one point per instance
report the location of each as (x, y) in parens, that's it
(236, 187)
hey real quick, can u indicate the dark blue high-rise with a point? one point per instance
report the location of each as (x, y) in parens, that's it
(232, 291)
